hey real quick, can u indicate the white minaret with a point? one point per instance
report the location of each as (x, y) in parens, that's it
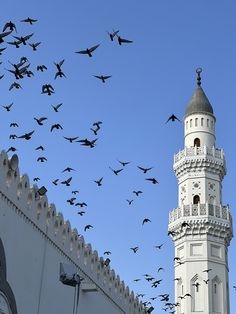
(201, 227)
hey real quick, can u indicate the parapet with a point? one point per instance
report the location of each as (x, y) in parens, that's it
(16, 191)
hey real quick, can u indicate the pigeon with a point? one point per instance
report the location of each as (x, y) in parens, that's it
(145, 170)
(42, 159)
(36, 179)
(11, 149)
(107, 253)
(8, 108)
(172, 118)
(35, 45)
(87, 227)
(60, 74)
(9, 25)
(68, 169)
(130, 201)
(23, 39)
(103, 78)
(137, 192)
(81, 204)
(113, 34)
(55, 182)
(116, 172)
(15, 85)
(71, 201)
(56, 126)
(29, 20)
(99, 182)
(40, 120)
(39, 148)
(145, 220)
(41, 68)
(71, 139)
(14, 43)
(55, 108)
(59, 64)
(26, 136)
(88, 51)
(81, 213)
(86, 142)
(47, 89)
(159, 246)
(4, 34)
(124, 163)
(123, 41)
(153, 180)
(207, 270)
(67, 182)
(134, 249)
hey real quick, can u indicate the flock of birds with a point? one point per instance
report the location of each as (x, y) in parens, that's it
(21, 69)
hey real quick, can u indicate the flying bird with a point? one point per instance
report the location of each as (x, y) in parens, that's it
(9, 25)
(14, 43)
(26, 136)
(130, 201)
(71, 139)
(42, 159)
(15, 85)
(113, 34)
(81, 213)
(4, 34)
(11, 149)
(67, 182)
(172, 118)
(56, 126)
(36, 179)
(124, 163)
(41, 68)
(34, 45)
(81, 204)
(99, 182)
(60, 74)
(159, 246)
(134, 249)
(153, 180)
(86, 142)
(107, 253)
(71, 201)
(55, 182)
(29, 20)
(145, 170)
(40, 120)
(88, 51)
(116, 172)
(68, 169)
(103, 78)
(47, 89)
(55, 108)
(207, 270)
(23, 39)
(8, 107)
(137, 192)
(123, 41)
(39, 148)
(145, 220)
(87, 227)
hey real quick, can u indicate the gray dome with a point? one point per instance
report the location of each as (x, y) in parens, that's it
(199, 103)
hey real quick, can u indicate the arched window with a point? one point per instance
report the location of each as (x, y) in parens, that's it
(207, 122)
(196, 199)
(196, 120)
(196, 142)
(211, 124)
(191, 121)
(202, 119)
(186, 125)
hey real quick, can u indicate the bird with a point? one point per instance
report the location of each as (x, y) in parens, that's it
(67, 182)
(81, 213)
(39, 148)
(97, 124)
(14, 43)
(145, 220)
(1, 50)
(95, 131)
(12, 136)
(23, 39)
(145, 170)
(172, 118)
(130, 201)
(75, 192)
(71, 139)
(71, 201)
(149, 278)
(153, 180)
(176, 258)
(59, 64)
(88, 51)
(15, 85)
(172, 233)
(56, 107)
(35, 45)
(11, 149)
(137, 192)
(4, 34)
(197, 284)
(86, 142)
(207, 270)
(103, 78)
(234, 287)
(14, 125)
(26, 136)
(134, 249)
(187, 295)
(185, 224)
(40, 120)
(8, 107)
(140, 295)
(55, 182)
(60, 74)
(81, 204)
(206, 281)
(1, 76)
(116, 172)
(68, 169)
(47, 89)
(42, 159)
(113, 34)
(124, 163)
(36, 179)
(99, 182)
(87, 227)
(136, 280)
(156, 283)
(41, 67)
(56, 126)
(29, 20)
(107, 253)
(9, 25)
(123, 41)
(159, 246)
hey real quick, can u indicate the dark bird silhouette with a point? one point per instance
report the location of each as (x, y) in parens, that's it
(81, 213)
(35, 45)
(97, 124)
(107, 253)
(197, 284)
(159, 246)
(113, 34)
(15, 43)
(71, 139)
(75, 192)
(14, 125)
(206, 281)
(28, 73)
(68, 169)
(176, 258)
(124, 163)
(136, 280)
(67, 182)
(123, 41)
(8, 107)
(36, 179)
(26, 136)
(87, 227)
(11, 149)
(40, 120)
(145, 170)
(103, 78)
(15, 85)
(156, 283)
(42, 159)
(153, 180)
(172, 233)
(149, 278)
(95, 131)
(140, 295)
(12, 136)
(172, 118)
(41, 67)
(83, 204)
(137, 192)
(23, 39)
(56, 126)
(187, 295)
(145, 220)
(59, 64)
(99, 182)
(39, 148)
(134, 249)
(86, 142)
(185, 224)
(207, 270)
(88, 51)
(55, 182)
(71, 201)
(1, 50)
(4, 34)
(116, 172)
(9, 25)
(1, 76)
(60, 74)
(130, 201)
(55, 108)
(47, 89)
(29, 20)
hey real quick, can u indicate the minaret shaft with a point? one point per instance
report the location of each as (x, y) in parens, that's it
(201, 227)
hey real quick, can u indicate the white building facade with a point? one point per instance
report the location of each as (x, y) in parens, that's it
(34, 241)
(201, 227)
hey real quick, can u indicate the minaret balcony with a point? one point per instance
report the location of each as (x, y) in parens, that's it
(199, 152)
(200, 210)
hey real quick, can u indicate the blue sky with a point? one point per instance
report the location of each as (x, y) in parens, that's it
(151, 78)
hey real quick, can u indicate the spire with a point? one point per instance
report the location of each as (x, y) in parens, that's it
(199, 101)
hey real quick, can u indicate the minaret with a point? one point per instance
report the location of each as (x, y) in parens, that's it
(201, 227)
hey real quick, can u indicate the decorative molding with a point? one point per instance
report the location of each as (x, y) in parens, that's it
(16, 192)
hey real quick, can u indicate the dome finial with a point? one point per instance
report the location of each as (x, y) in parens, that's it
(199, 71)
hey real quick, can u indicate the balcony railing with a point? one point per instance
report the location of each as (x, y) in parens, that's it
(206, 209)
(199, 151)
